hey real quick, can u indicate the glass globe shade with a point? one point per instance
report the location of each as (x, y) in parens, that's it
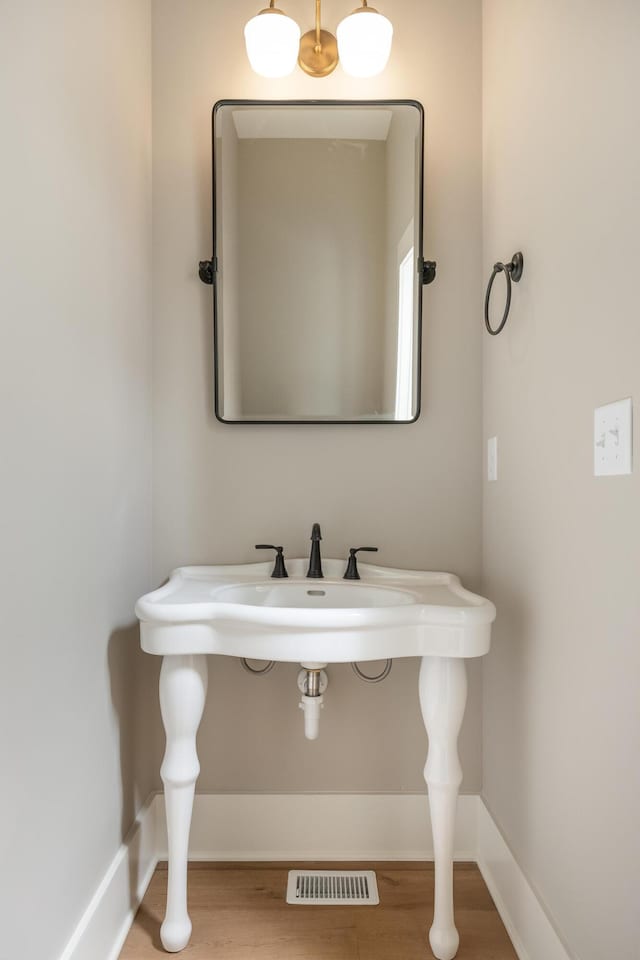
(364, 42)
(272, 40)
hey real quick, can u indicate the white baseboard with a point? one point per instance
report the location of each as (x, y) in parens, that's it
(318, 827)
(311, 827)
(105, 923)
(531, 932)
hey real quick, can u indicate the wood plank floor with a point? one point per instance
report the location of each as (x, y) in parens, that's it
(239, 913)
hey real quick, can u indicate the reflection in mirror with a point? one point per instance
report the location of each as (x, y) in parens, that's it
(318, 240)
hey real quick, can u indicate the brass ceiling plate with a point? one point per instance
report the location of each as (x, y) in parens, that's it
(318, 63)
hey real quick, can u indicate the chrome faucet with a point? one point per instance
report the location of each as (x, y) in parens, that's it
(315, 563)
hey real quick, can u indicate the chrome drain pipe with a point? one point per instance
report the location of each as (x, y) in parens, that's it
(312, 682)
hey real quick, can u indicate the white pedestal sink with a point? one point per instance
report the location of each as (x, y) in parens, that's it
(240, 611)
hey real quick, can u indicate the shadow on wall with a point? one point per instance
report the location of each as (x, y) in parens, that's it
(507, 682)
(134, 677)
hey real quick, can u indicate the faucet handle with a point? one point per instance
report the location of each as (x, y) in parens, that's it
(351, 573)
(279, 569)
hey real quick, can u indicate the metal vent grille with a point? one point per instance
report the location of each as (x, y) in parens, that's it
(332, 887)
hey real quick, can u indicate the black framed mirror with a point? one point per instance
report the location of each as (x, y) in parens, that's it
(317, 265)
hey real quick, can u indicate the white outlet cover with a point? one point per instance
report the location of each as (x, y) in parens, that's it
(612, 431)
(492, 458)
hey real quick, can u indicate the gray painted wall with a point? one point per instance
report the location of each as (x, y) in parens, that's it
(412, 490)
(75, 481)
(561, 548)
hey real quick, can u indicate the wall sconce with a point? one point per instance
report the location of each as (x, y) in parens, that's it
(274, 44)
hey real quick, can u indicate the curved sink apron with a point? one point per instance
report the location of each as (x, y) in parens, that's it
(240, 611)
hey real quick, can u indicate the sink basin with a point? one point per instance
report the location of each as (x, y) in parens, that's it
(313, 595)
(238, 610)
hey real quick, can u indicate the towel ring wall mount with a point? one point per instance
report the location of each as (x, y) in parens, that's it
(512, 272)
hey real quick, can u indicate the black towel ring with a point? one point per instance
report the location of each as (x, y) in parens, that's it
(512, 271)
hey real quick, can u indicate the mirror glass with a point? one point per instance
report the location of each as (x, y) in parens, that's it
(318, 247)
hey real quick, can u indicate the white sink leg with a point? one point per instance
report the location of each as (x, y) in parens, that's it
(183, 689)
(443, 695)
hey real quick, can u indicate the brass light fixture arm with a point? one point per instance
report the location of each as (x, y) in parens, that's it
(318, 49)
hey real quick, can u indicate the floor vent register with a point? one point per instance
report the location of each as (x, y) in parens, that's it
(332, 887)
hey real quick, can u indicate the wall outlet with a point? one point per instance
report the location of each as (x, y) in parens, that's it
(612, 439)
(492, 458)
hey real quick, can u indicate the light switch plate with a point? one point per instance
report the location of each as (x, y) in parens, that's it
(492, 458)
(612, 439)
